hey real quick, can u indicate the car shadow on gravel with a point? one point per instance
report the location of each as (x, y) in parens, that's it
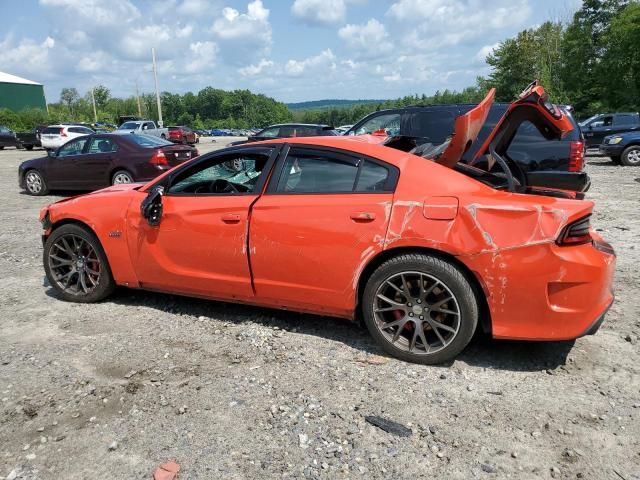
(482, 351)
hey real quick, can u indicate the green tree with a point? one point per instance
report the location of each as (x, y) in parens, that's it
(69, 96)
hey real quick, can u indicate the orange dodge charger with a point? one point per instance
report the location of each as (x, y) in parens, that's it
(391, 230)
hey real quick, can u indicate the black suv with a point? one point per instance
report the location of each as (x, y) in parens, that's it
(546, 163)
(604, 124)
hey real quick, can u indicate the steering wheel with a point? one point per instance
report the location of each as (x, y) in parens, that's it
(222, 186)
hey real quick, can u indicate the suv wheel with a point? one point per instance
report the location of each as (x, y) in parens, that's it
(631, 156)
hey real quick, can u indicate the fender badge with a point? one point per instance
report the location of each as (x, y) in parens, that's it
(115, 234)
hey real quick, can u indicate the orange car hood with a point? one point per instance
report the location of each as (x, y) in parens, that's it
(468, 126)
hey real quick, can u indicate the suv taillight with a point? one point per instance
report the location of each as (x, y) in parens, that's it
(576, 156)
(159, 159)
(576, 233)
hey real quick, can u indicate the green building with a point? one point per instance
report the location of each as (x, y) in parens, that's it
(19, 93)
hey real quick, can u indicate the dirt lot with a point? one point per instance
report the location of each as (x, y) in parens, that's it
(114, 389)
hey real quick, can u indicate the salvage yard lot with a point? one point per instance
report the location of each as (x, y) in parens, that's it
(111, 390)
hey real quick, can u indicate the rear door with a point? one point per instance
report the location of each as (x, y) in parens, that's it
(324, 215)
(97, 160)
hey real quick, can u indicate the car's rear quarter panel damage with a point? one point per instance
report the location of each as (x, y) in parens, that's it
(508, 242)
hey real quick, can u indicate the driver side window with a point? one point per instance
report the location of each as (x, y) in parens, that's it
(231, 174)
(74, 147)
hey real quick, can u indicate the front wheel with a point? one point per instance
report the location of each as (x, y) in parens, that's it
(420, 308)
(631, 156)
(163, 136)
(28, 147)
(120, 177)
(76, 265)
(35, 183)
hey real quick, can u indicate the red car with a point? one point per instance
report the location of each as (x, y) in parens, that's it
(420, 247)
(182, 135)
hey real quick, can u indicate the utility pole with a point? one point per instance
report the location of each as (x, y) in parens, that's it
(138, 99)
(155, 77)
(93, 100)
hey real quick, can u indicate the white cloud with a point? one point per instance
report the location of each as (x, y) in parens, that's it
(394, 77)
(26, 55)
(252, 26)
(370, 39)
(482, 54)
(202, 56)
(437, 23)
(325, 12)
(256, 69)
(94, 13)
(324, 60)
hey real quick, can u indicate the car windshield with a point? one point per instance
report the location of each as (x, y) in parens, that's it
(148, 141)
(129, 125)
(588, 120)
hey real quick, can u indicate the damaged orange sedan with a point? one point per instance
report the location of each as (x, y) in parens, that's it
(392, 230)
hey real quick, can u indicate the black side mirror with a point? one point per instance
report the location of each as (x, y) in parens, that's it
(151, 207)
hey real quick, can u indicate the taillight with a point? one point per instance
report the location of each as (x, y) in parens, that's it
(159, 159)
(62, 133)
(576, 233)
(576, 156)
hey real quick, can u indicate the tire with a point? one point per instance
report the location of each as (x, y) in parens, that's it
(1, 147)
(446, 334)
(28, 147)
(35, 183)
(121, 177)
(631, 156)
(163, 136)
(79, 274)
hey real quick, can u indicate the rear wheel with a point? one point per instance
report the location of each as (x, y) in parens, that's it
(163, 136)
(35, 184)
(631, 156)
(120, 177)
(420, 308)
(76, 265)
(28, 147)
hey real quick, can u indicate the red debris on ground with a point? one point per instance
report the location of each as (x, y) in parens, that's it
(167, 471)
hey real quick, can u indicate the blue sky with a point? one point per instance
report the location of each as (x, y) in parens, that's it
(292, 50)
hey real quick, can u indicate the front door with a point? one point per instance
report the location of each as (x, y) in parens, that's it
(324, 215)
(200, 246)
(63, 171)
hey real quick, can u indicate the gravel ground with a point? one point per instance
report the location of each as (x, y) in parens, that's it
(114, 389)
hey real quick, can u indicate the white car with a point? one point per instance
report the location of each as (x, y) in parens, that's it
(55, 136)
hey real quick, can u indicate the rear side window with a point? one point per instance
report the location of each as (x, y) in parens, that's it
(52, 131)
(434, 125)
(102, 145)
(81, 130)
(624, 119)
(307, 171)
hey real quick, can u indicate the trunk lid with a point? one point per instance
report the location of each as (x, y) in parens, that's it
(177, 154)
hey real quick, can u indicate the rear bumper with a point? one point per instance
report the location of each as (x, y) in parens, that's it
(546, 292)
(611, 150)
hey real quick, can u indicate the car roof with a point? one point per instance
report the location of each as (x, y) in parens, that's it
(371, 145)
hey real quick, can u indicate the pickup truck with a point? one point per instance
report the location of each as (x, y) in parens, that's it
(143, 127)
(27, 140)
(602, 125)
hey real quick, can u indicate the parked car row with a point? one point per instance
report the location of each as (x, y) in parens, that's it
(402, 233)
